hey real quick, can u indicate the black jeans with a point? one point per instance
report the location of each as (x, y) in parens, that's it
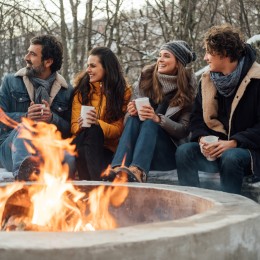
(93, 157)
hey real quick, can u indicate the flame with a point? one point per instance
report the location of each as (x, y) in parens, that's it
(5, 193)
(54, 203)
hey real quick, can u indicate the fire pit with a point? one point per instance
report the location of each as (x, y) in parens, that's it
(154, 222)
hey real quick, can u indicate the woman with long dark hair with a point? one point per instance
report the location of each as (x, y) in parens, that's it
(102, 86)
(170, 86)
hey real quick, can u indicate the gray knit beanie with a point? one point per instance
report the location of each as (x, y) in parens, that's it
(181, 50)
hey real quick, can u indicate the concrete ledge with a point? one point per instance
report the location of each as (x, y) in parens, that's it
(207, 180)
(6, 176)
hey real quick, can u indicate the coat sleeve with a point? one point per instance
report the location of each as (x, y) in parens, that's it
(250, 137)
(5, 100)
(177, 129)
(75, 114)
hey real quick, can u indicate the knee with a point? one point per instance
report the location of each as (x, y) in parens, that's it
(95, 130)
(132, 121)
(231, 157)
(94, 133)
(185, 150)
(150, 123)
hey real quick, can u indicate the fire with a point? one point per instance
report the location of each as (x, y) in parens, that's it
(53, 203)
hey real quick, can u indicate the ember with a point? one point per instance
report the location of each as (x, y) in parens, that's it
(55, 204)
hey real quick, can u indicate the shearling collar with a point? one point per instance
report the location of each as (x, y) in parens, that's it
(57, 84)
(210, 103)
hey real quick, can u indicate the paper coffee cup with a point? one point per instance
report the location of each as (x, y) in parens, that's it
(209, 139)
(42, 108)
(139, 103)
(83, 114)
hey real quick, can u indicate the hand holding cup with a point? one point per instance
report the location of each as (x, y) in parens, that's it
(88, 116)
(141, 103)
(204, 142)
(131, 108)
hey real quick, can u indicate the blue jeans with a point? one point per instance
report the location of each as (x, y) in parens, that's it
(233, 165)
(145, 145)
(13, 152)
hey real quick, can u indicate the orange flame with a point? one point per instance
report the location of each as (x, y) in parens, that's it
(55, 204)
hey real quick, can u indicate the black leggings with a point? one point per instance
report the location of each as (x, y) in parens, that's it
(92, 158)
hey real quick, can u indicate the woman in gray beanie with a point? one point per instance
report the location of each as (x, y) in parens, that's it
(148, 145)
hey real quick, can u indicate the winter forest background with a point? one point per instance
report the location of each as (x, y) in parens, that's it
(135, 33)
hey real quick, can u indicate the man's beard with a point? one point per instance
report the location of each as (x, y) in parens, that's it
(34, 72)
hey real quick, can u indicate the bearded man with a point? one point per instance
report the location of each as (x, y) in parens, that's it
(39, 93)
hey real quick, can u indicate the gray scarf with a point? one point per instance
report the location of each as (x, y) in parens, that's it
(226, 84)
(42, 88)
(168, 82)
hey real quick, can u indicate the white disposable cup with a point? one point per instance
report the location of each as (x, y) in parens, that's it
(42, 108)
(139, 103)
(83, 114)
(209, 139)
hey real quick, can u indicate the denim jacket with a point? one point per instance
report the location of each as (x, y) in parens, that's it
(17, 92)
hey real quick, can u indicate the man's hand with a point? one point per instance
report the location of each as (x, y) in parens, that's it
(40, 112)
(216, 149)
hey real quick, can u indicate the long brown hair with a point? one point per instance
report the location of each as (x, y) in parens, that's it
(152, 88)
(185, 91)
(114, 84)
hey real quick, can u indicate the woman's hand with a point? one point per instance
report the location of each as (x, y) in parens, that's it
(147, 112)
(80, 122)
(131, 108)
(92, 117)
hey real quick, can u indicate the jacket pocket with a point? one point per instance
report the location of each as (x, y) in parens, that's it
(62, 110)
(59, 107)
(21, 101)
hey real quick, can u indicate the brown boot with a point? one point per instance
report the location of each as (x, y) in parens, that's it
(139, 174)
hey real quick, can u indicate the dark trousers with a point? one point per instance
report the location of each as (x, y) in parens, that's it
(93, 158)
(233, 165)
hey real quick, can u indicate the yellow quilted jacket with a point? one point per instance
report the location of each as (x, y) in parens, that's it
(112, 131)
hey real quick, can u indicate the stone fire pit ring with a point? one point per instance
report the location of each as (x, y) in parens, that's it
(215, 225)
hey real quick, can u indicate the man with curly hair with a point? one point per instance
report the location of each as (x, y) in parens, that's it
(39, 93)
(227, 106)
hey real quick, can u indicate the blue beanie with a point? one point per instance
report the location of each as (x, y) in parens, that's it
(181, 50)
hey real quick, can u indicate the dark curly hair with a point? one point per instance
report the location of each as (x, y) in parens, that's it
(114, 84)
(51, 49)
(226, 41)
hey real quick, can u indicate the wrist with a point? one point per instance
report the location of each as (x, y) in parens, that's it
(157, 119)
(234, 143)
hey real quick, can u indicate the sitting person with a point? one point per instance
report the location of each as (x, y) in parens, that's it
(151, 144)
(39, 93)
(227, 106)
(102, 86)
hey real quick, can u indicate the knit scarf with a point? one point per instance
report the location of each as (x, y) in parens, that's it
(226, 84)
(42, 88)
(168, 82)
